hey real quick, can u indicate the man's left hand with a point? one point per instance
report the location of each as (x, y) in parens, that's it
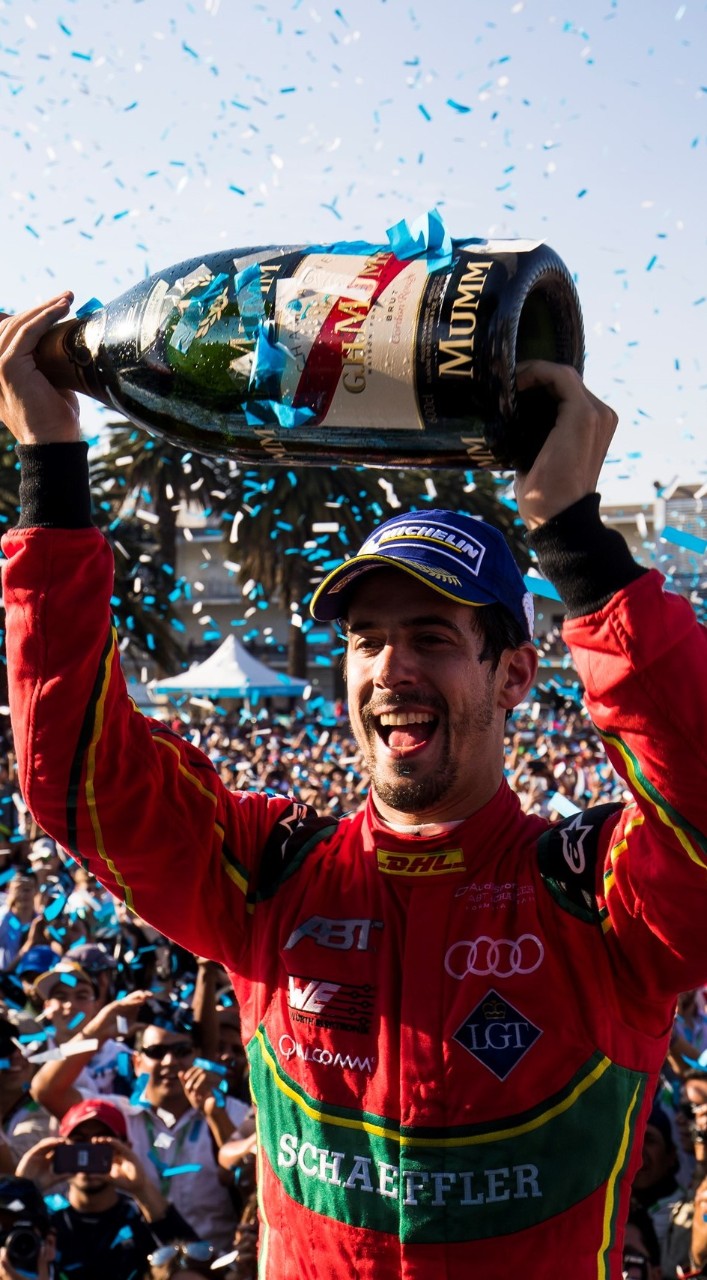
(568, 465)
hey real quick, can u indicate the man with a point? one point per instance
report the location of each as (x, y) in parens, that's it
(175, 1122)
(455, 1014)
(26, 1247)
(100, 966)
(16, 915)
(113, 1221)
(641, 1259)
(657, 1190)
(22, 1120)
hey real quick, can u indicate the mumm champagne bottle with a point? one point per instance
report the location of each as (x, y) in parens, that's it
(343, 353)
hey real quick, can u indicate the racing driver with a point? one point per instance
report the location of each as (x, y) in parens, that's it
(455, 1014)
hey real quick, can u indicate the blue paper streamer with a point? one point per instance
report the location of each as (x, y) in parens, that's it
(541, 587)
(274, 412)
(680, 538)
(88, 308)
(426, 236)
(248, 290)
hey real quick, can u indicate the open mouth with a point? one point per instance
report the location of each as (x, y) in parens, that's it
(404, 732)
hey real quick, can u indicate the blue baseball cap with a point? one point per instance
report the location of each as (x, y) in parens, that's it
(37, 960)
(462, 558)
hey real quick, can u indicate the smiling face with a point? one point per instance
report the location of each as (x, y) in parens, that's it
(427, 713)
(163, 1055)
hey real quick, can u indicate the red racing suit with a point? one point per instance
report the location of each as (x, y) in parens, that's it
(454, 1041)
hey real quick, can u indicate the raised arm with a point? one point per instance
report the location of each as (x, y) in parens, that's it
(145, 810)
(642, 657)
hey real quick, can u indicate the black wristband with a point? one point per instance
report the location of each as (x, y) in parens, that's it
(587, 562)
(54, 488)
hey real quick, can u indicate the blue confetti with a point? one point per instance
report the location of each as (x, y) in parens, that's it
(55, 909)
(269, 412)
(541, 587)
(680, 538)
(88, 308)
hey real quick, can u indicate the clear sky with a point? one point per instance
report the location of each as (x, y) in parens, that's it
(136, 133)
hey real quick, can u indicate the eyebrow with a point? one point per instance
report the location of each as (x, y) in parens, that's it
(421, 620)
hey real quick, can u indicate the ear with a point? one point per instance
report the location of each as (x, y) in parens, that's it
(516, 675)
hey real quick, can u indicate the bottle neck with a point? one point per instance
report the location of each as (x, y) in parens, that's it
(65, 361)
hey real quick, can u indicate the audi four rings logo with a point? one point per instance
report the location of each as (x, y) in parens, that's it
(500, 957)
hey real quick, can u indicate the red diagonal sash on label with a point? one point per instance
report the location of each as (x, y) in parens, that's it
(324, 365)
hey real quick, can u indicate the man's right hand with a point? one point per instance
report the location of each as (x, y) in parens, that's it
(31, 408)
(38, 1164)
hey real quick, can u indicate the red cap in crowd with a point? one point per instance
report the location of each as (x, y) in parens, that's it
(94, 1109)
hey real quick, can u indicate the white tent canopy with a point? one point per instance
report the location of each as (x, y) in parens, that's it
(231, 672)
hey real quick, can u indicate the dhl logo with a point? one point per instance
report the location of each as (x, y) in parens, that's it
(420, 864)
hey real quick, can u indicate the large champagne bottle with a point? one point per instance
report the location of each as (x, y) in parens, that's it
(342, 353)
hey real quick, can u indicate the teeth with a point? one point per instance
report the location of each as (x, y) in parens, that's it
(398, 718)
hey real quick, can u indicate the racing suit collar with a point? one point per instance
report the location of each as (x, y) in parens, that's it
(473, 841)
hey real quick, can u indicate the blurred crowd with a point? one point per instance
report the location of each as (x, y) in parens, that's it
(127, 1138)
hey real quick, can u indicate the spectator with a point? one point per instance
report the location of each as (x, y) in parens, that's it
(175, 1120)
(655, 1186)
(113, 1220)
(641, 1256)
(22, 1121)
(70, 999)
(17, 915)
(23, 1215)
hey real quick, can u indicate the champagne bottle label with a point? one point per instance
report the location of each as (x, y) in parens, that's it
(370, 341)
(349, 325)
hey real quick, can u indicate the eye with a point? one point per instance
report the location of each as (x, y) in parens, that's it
(365, 644)
(432, 639)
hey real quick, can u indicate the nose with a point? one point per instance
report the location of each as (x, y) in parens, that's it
(395, 666)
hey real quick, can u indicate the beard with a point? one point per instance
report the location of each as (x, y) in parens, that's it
(415, 788)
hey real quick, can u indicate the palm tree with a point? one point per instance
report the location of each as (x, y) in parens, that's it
(147, 473)
(142, 610)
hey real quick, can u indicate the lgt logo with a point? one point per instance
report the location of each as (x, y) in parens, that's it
(338, 935)
(497, 1034)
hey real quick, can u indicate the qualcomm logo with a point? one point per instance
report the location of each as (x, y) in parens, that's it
(291, 1048)
(501, 957)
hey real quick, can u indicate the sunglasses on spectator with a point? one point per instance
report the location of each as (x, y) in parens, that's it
(157, 1052)
(188, 1251)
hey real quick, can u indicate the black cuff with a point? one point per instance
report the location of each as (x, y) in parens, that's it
(54, 490)
(587, 562)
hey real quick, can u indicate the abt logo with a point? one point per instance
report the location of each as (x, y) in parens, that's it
(338, 935)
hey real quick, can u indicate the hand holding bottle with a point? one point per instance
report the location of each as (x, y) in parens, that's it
(568, 465)
(30, 407)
